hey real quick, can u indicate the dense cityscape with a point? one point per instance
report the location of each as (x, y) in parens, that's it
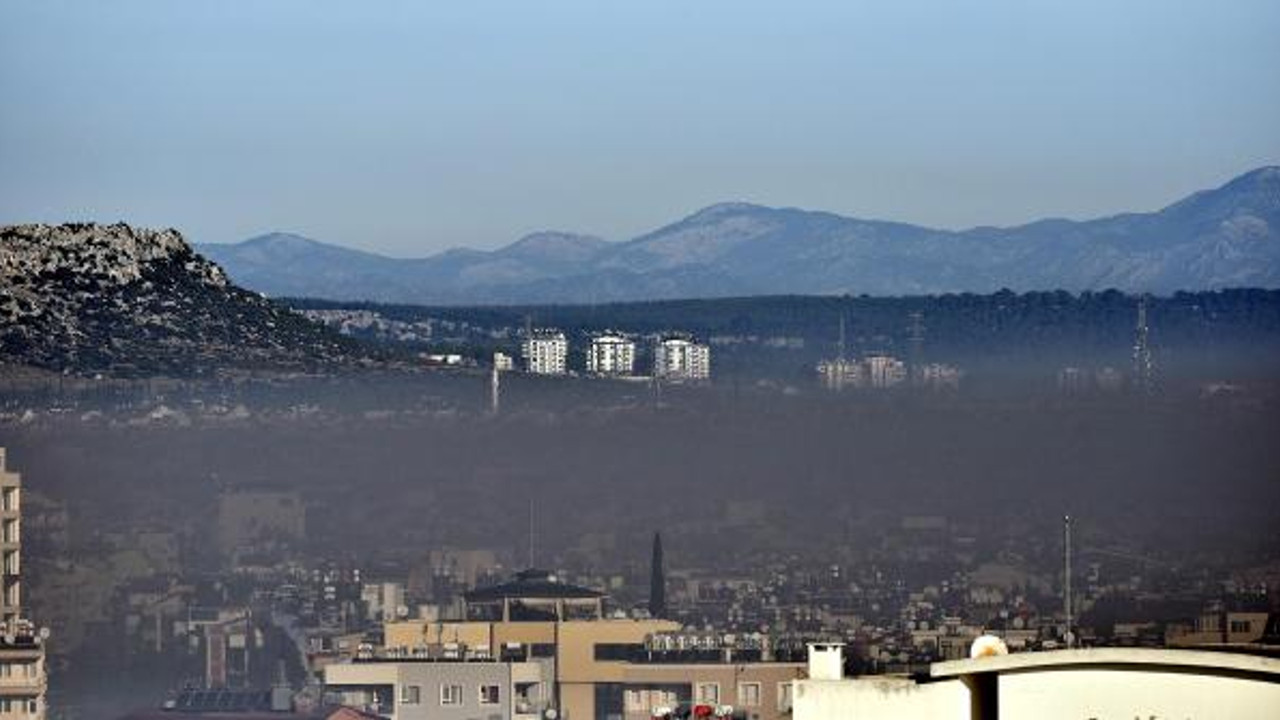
(639, 361)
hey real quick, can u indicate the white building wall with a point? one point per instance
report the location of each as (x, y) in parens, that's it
(680, 359)
(611, 355)
(1074, 694)
(879, 698)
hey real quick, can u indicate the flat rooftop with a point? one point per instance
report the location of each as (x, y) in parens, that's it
(1151, 659)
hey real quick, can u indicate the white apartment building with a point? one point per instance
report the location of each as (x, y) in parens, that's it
(611, 354)
(884, 371)
(840, 373)
(681, 359)
(23, 678)
(545, 352)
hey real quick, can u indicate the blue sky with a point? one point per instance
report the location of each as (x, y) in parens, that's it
(409, 127)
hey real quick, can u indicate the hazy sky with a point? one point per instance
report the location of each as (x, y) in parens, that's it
(408, 127)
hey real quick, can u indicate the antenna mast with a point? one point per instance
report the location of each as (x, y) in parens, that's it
(1143, 366)
(1069, 636)
(842, 340)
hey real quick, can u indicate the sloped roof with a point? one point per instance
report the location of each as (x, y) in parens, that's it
(532, 583)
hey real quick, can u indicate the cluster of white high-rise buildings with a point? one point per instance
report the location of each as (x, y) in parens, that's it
(881, 371)
(612, 354)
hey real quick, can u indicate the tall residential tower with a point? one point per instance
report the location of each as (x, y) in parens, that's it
(22, 659)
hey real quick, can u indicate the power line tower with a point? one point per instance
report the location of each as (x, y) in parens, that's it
(1143, 365)
(915, 343)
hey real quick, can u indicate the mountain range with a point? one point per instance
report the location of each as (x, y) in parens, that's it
(1224, 237)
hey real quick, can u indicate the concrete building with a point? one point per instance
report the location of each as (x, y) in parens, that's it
(439, 688)
(1066, 684)
(1219, 627)
(383, 601)
(23, 678)
(593, 667)
(545, 352)
(881, 371)
(755, 690)
(502, 362)
(938, 376)
(679, 358)
(611, 354)
(884, 371)
(841, 373)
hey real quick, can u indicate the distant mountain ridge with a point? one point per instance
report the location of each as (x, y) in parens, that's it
(1224, 237)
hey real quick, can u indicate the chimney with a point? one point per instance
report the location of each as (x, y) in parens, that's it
(826, 661)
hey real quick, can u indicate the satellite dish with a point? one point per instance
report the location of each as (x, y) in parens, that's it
(10, 638)
(44, 633)
(988, 646)
(402, 611)
(551, 714)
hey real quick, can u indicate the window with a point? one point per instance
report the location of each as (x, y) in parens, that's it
(411, 695)
(450, 694)
(784, 697)
(749, 694)
(489, 695)
(1240, 626)
(709, 693)
(617, 651)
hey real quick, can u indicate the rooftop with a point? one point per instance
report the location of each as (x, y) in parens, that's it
(1201, 661)
(535, 584)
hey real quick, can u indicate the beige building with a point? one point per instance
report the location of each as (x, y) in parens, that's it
(1219, 628)
(23, 679)
(594, 668)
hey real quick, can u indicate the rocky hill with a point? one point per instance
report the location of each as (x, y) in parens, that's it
(89, 298)
(1224, 237)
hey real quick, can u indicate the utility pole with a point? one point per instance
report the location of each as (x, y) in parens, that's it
(495, 390)
(1069, 635)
